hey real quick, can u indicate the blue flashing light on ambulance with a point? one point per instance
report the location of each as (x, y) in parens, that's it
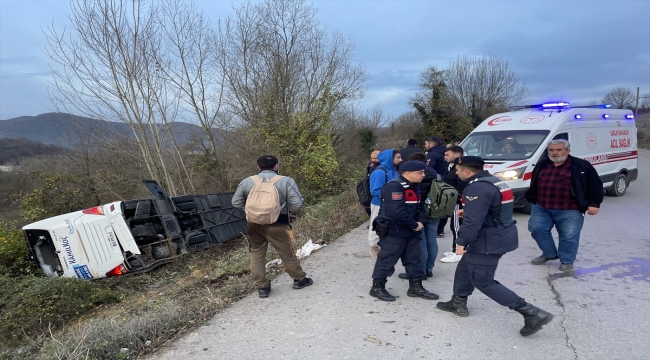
(512, 143)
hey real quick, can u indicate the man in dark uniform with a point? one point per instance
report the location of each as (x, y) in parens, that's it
(398, 226)
(487, 233)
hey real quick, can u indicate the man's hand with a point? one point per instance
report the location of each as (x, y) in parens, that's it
(592, 210)
(460, 213)
(420, 226)
(460, 250)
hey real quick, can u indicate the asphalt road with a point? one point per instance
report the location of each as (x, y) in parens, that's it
(602, 309)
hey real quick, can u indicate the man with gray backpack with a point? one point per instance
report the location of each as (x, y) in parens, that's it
(268, 198)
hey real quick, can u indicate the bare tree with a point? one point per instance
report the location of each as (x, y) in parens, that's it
(483, 86)
(107, 69)
(190, 64)
(620, 98)
(276, 51)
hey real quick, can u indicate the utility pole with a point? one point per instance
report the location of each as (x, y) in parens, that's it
(636, 107)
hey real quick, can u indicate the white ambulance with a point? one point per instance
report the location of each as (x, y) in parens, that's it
(512, 143)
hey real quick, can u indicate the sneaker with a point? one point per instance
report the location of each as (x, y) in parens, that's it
(452, 258)
(448, 253)
(429, 273)
(264, 292)
(566, 267)
(540, 260)
(374, 250)
(403, 276)
(299, 284)
(441, 234)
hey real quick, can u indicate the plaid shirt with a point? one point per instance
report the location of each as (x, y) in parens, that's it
(555, 187)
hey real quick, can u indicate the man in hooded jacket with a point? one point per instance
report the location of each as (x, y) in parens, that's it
(385, 172)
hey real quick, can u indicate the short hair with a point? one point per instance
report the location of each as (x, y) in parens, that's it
(267, 162)
(395, 152)
(418, 157)
(567, 144)
(473, 168)
(434, 139)
(456, 149)
(412, 142)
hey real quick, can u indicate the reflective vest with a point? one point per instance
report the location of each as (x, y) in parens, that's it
(502, 215)
(411, 200)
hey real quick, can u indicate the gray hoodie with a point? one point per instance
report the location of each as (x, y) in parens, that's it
(287, 190)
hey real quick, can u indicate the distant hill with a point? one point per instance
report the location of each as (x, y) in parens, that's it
(57, 128)
(13, 149)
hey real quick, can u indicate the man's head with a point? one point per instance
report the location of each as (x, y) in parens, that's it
(412, 142)
(418, 157)
(452, 153)
(469, 166)
(432, 141)
(373, 156)
(267, 162)
(558, 150)
(397, 157)
(413, 171)
(508, 147)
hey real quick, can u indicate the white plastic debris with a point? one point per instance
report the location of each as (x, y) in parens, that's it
(307, 249)
(302, 253)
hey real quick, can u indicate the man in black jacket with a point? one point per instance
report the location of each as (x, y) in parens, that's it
(451, 156)
(429, 239)
(487, 233)
(561, 190)
(398, 226)
(436, 154)
(410, 149)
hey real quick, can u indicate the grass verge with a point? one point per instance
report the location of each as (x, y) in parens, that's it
(157, 307)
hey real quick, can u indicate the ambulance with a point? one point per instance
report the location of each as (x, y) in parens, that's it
(512, 143)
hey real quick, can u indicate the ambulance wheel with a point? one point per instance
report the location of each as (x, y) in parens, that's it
(619, 186)
(528, 207)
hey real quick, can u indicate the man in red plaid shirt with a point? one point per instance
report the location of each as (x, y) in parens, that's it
(562, 189)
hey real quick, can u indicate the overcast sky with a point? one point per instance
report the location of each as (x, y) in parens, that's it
(575, 50)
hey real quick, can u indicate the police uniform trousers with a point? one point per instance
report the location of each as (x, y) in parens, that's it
(393, 248)
(477, 271)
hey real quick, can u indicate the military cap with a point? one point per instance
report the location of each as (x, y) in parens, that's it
(471, 161)
(412, 166)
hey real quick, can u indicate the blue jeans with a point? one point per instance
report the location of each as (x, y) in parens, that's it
(429, 243)
(568, 224)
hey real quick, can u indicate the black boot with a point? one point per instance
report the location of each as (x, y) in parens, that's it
(378, 290)
(406, 276)
(457, 305)
(416, 290)
(534, 319)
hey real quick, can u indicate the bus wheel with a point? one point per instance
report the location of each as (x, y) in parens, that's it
(619, 186)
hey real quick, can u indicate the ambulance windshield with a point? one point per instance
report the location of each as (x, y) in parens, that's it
(504, 145)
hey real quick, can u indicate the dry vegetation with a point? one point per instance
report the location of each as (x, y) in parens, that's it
(159, 306)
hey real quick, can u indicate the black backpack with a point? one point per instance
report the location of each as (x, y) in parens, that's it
(363, 188)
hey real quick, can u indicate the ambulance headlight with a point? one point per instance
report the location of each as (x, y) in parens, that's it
(513, 174)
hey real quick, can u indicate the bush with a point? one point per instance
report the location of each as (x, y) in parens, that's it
(14, 256)
(30, 305)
